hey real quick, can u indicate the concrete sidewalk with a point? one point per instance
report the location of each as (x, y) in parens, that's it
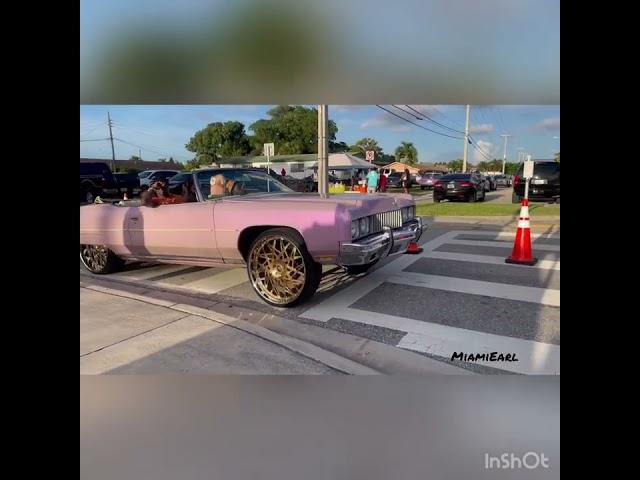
(132, 328)
(124, 335)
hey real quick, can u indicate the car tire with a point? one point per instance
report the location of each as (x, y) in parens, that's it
(98, 259)
(436, 199)
(272, 257)
(358, 269)
(88, 195)
(515, 198)
(472, 197)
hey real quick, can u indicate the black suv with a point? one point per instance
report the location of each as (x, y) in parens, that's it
(96, 179)
(544, 185)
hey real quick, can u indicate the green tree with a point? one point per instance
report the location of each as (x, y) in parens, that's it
(335, 147)
(219, 139)
(407, 153)
(360, 148)
(292, 130)
(195, 163)
(556, 157)
(511, 168)
(455, 165)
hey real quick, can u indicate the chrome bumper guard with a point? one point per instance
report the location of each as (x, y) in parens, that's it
(374, 247)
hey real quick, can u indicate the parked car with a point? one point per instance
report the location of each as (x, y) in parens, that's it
(394, 180)
(128, 183)
(426, 180)
(282, 237)
(96, 179)
(149, 176)
(544, 185)
(492, 183)
(502, 181)
(459, 186)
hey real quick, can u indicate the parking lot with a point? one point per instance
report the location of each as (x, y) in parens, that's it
(458, 295)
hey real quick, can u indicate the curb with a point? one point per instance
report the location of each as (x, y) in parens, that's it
(300, 347)
(377, 357)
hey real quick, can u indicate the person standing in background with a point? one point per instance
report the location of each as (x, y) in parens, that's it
(406, 180)
(372, 181)
(382, 186)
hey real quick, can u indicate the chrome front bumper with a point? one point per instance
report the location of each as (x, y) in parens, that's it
(374, 247)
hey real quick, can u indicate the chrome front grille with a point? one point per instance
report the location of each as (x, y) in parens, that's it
(391, 219)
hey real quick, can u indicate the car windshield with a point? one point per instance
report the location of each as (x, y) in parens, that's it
(247, 181)
(144, 174)
(456, 176)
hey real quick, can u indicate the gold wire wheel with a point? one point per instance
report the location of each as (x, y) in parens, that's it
(277, 269)
(94, 257)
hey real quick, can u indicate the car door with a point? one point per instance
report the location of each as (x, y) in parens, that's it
(180, 232)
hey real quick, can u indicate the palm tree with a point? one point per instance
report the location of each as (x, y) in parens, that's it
(407, 153)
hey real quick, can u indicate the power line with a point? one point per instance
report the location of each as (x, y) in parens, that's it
(95, 140)
(93, 129)
(146, 149)
(417, 125)
(485, 154)
(434, 121)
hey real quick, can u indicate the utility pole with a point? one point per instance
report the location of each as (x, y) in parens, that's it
(140, 154)
(323, 150)
(466, 142)
(113, 152)
(504, 156)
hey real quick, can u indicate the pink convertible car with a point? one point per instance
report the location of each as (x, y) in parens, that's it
(282, 237)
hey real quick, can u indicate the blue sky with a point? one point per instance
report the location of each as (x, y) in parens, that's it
(162, 131)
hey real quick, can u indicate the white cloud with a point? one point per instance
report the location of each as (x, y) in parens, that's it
(482, 128)
(488, 148)
(386, 120)
(548, 124)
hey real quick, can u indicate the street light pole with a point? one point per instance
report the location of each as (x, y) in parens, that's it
(504, 156)
(323, 149)
(466, 142)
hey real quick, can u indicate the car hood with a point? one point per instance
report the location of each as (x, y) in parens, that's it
(358, 204)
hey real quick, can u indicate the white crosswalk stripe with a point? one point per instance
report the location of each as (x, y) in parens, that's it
(441, 340)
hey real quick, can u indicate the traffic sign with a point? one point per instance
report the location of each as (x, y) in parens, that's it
(370, 155)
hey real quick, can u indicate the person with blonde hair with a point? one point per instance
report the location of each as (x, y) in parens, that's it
(218, 184)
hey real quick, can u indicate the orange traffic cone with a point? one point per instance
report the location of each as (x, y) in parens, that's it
(521, 253)
(414, 248)
(125, 196)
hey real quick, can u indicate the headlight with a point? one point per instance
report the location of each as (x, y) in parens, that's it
(364, 226)
(355, 230)
(411, 212)
(403, 212)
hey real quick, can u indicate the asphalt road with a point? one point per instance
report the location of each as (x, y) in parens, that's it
(456, 296)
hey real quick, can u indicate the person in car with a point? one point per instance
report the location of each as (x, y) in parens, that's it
(218, 183)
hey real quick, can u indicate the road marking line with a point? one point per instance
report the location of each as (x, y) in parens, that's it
(325, 310)
(218, 282)
(442, 340)
(543, 296)
(505, 234)
(482, 243)
(466, 257)
(151, 271)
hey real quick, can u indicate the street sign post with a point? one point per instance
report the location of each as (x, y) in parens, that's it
(370, 155)
(269, 148)
(527, 173)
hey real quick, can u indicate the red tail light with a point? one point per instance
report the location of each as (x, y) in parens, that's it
(437, 184)
(466, 184)
(516, 181)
